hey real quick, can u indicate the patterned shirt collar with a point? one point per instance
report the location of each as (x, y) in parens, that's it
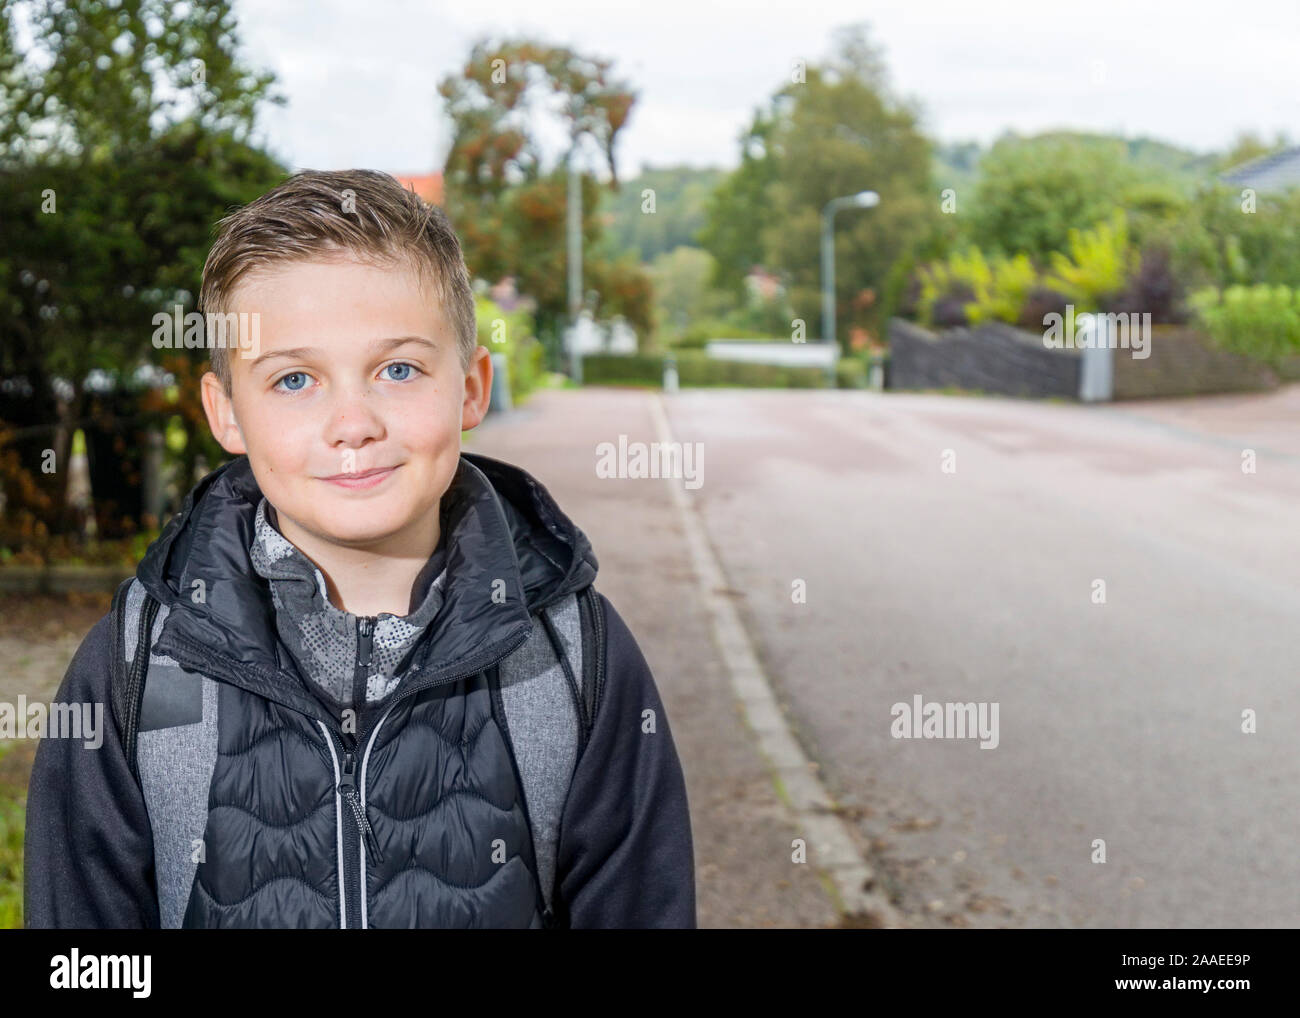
(323, 639)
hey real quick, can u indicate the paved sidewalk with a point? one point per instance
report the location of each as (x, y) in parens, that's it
(1268, 422)
(742, 834)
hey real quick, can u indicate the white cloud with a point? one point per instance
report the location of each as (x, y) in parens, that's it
(362, 80)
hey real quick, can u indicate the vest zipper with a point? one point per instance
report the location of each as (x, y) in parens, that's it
(359, 833)
(348, 789)
(365, 646)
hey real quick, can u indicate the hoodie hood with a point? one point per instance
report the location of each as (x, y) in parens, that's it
(509, 551)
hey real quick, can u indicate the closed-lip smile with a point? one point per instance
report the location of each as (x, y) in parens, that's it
(361, 479)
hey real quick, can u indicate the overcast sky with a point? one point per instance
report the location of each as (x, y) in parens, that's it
(361, 75)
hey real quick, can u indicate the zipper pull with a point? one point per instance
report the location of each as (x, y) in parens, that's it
(348, 786)
(348, 789)
(365, 630)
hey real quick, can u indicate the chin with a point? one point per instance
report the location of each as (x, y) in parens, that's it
(360, 523)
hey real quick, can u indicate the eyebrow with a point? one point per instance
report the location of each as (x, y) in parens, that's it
(305, 352)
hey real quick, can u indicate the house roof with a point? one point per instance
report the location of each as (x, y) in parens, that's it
(1274, 172)
(427, 185)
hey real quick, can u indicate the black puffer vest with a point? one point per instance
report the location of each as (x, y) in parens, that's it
(268, 811)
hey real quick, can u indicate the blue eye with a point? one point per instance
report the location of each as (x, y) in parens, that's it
(402, 365)
(294, 374)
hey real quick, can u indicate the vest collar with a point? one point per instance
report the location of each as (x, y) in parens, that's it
(326, 641)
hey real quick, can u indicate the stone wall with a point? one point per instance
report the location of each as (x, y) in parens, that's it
(1184, 362)
(999, 358)
(992, 357)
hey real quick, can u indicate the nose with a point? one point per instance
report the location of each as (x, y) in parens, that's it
(353, 418)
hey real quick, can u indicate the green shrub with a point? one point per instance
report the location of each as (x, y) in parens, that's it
(1098, 265)
(1259, 321)
(1003, 297)
(851, 373)
(511, 333)
(701, 331)
(991, 290)
(13, 797)
(695, 368)
(623, 369)
(702, 370)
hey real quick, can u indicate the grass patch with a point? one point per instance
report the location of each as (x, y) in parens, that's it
(15, 768)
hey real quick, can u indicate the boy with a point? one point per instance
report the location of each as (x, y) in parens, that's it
(378, 688)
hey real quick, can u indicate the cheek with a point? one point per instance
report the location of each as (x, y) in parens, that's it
(279, 439)
(427, 423)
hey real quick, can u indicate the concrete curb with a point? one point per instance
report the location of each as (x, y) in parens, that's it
(831, 846)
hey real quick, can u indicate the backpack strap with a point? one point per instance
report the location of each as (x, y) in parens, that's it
(547, 714)
(133, 611)
(592, 617)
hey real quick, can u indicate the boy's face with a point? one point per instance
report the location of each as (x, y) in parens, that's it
(357, 371)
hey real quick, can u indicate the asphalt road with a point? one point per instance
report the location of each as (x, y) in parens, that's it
(1120, 721)
(951, 549)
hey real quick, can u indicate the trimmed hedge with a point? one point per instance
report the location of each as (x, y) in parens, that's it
(851, 373)
(633, 369)
(696, 369)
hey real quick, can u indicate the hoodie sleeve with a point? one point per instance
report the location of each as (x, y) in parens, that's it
(625, 857)
(88, 846)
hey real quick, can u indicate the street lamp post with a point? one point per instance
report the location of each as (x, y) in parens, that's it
(573, 232)
(864, 200)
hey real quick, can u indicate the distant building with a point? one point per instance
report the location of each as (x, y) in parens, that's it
(507, 297)
(762, 285)
(427, 185)
(1268, 174)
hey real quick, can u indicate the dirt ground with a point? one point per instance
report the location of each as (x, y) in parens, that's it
(38, 636)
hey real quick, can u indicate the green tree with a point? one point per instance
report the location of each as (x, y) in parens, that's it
(123, 137)
(839, 132)
(680, 194)
(509, 208)
(682, 292)
(1225, 238)
(1248, 145)
(738, 208)
(1031, 194)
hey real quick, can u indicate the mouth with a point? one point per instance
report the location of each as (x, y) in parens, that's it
(363, 479)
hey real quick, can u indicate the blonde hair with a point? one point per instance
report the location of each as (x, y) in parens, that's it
(324, 215)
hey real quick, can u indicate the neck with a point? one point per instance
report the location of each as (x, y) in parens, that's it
(375, 578)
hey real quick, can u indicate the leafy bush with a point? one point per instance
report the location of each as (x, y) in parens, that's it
(1039, 303)
(701, 369)
(1259, 321)
(1004, 297)
(1032, 192)
(1217, 241)
(13, 797)
(630, 369)
(851, 373)
(511, 333)
(1098, 265)
(970, 288)
(695, 368)
(700, 332)
(949, 310)
(1153, 289)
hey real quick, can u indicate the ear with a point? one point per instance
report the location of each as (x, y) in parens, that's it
(478, 389)
(221, 415)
